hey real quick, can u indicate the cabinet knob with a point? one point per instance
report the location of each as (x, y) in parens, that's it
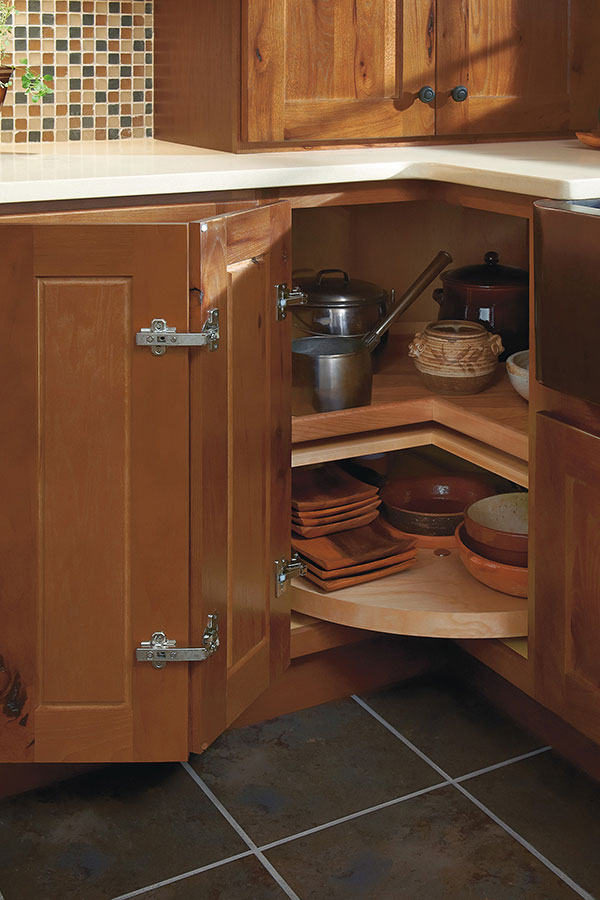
(426, 94)
(459, 93)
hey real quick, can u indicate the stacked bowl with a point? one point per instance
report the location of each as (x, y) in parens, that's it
(492, 542)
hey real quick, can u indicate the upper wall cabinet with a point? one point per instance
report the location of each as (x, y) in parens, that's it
(337, 69)
(277, 73)
(511, 57)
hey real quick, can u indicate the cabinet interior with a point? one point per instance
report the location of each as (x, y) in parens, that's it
(417, 430)
(390, 243)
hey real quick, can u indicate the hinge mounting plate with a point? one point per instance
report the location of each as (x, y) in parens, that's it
(159, 650)
(285, 570)
(286, 297)
(160, 336)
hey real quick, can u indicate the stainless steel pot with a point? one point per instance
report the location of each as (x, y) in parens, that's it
(338, 304)
(336, 372)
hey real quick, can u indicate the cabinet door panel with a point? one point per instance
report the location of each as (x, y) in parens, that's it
(513, 58)
(95, 493)
(337, 69)
(567, 573)
(240, 465)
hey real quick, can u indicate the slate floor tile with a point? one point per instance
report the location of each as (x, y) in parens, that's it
(107, 833)
(554, 807)
(307, 768)
(245, 879)
(457, 729)
(435, 847)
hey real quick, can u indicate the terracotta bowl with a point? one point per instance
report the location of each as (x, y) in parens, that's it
(499, 527)
(431, 504)
(506, 579)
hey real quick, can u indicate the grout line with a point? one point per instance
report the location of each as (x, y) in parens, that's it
(184, 875)
(455, 783)
(501, 765)
(524, 843)
(351, 816)
(244, 836)
(404, 740)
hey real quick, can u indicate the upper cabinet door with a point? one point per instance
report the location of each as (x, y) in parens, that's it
(513, 58)
(94, 525)
(567, 573)
(330, 70)
(240, 462)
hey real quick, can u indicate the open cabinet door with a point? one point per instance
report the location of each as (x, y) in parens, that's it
(94, 520)
(240, 462)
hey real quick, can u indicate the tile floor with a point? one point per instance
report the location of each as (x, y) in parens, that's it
(420, 792)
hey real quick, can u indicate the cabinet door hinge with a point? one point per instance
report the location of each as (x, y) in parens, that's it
(286, 298)
(159, 650)
(160, 336)
(285, 570)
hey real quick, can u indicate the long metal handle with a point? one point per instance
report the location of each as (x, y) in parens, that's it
(432, 271)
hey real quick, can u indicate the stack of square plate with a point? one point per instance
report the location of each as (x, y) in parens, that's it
(338, 532)
(352, 557)
(326, 500)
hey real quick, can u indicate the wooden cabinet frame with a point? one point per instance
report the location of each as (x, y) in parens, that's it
(255, 246)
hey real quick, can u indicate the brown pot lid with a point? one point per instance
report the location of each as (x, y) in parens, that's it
(333, 287)
(489, 275)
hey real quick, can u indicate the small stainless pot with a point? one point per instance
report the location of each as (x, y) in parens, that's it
(330, 373)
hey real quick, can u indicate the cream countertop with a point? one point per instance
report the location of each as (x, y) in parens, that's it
(557, 169)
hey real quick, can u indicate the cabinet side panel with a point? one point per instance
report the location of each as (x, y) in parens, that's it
(249, 455)
(84, 489)
(18, 482)
(196, 93)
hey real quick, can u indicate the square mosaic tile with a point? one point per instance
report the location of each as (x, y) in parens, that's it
(100, 56)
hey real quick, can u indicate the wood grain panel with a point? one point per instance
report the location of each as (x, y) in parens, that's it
(85, 401)
(567, 573)
(513, 57)
(347, 70)
(251, 572)
(103, 563)
(240, 463)
(263, 65)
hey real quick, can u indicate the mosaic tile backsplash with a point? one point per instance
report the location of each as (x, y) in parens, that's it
(99, 53)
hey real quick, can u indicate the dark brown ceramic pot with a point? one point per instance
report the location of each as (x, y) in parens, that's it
(6, 73)
(496, 296)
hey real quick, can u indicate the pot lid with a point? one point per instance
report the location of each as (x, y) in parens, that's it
(490, 274)
(333, 287)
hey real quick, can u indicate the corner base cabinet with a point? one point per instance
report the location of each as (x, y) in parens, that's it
(123, 468)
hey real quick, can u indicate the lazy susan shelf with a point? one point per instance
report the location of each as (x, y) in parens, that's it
(435, 598)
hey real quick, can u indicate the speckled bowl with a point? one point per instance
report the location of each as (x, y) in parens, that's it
(517, 368)
(498, 526)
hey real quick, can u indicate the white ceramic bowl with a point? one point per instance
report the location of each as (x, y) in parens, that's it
(517, 367)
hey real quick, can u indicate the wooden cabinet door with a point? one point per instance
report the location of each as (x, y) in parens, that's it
(567, 573)
(95, 493)
(330, 70)
(512, 56)
(240, 462)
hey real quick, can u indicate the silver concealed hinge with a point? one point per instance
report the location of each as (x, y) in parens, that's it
(159, 650)
(160, 336)
(285, 570)
(286, 298)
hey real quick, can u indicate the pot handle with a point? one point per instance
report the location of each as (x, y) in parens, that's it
(329, 272)
(416, 346)
(438, 295)
(496, 344)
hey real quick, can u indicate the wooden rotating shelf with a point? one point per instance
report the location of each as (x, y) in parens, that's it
(435, 598)
(490, 428)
